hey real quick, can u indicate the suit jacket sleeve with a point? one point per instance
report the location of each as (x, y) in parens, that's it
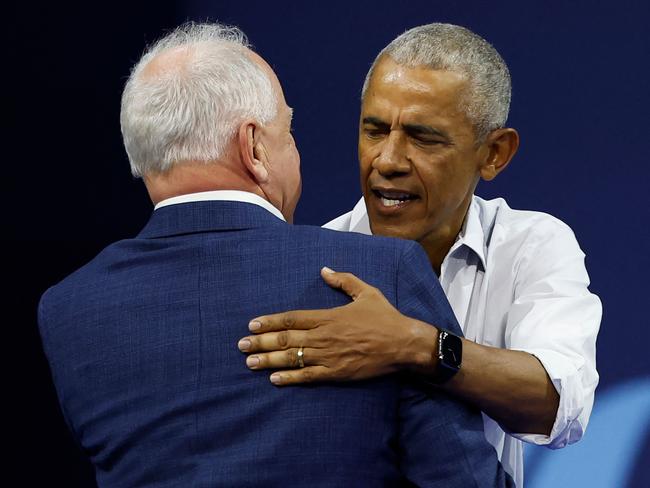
(43, 326)
(441, 440)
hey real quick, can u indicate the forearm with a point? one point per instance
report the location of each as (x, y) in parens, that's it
(512, 387)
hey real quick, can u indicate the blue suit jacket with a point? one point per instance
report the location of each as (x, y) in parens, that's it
(142, 345)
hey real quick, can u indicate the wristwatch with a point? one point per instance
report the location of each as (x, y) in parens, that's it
(450, 356)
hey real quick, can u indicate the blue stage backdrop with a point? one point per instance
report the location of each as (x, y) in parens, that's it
(580, 103)
(580, 74)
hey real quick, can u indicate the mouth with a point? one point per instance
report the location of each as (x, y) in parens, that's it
(393, 199)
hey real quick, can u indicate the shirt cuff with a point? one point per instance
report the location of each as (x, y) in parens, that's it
(572, 413)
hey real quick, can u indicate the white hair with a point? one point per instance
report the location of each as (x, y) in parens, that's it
(451, 47)
(190, 110)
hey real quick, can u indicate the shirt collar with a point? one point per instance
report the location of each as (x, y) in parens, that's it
(471, 233)
(228, 195)
(359, 221)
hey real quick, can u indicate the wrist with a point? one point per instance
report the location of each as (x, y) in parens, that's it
(418, 353)
(449, 357)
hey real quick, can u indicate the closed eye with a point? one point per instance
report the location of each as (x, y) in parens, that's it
(375, 128)
(375, 133)
(426, 135)
(427, 142)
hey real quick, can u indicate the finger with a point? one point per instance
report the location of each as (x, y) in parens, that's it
(273, 341)
(292, 320)
(311, 374)
(347, 282)
(283, 359)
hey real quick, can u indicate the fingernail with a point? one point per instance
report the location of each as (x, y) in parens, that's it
(252, 361)
(327, 270)
(276, 379)
(254, 325)
(244, 345)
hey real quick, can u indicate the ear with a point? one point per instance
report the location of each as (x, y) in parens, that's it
(501, 145)
(252, 151)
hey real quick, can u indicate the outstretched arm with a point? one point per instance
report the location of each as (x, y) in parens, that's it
(369, 337)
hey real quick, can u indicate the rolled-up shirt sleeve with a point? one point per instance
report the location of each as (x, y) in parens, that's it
(556, 318)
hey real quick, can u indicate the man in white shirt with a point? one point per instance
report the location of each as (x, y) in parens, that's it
(434, 107)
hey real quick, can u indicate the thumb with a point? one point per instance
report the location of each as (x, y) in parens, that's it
(347, 282)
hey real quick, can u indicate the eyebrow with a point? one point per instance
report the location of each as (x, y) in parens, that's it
(415, 129)
(376, 122)
(411, 129)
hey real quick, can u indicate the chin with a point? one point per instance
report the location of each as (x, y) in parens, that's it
(387, 230)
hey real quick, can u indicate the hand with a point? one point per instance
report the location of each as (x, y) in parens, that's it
(363, 339)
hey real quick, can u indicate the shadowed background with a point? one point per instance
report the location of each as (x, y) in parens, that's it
(580, 102)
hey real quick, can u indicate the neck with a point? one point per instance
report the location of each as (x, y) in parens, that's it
(437, 246)
(194, 177)
(437, 251)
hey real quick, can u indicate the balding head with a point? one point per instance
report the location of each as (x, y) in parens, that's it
(187, 95)
(175, 60)
(201, 112)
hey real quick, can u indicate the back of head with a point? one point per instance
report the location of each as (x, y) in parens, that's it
(454, 48)
(187, 94)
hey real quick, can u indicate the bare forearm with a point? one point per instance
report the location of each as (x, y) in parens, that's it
(369, 338)
(512, 387)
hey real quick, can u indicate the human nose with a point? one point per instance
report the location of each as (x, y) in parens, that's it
(392, 156)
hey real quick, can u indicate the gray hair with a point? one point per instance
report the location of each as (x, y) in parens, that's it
(190, 110)
(454, 48)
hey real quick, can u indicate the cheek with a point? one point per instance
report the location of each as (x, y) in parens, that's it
(364, 174)
(365, 162)
(446, 184)
(433, 183)
(366, 150)
(291, 154)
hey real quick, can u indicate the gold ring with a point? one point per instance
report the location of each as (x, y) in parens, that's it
(301, 358)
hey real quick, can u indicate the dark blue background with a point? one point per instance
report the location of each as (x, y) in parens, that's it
(580, 102)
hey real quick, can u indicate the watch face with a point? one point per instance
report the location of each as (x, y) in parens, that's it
(450, 356)
(452, 351)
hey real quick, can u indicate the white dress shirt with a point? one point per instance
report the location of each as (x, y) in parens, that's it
(517, 280)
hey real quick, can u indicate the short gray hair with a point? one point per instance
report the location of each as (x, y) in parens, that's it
(191, 111)
(454, 48)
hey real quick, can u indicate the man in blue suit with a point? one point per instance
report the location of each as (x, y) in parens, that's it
(142, 341)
